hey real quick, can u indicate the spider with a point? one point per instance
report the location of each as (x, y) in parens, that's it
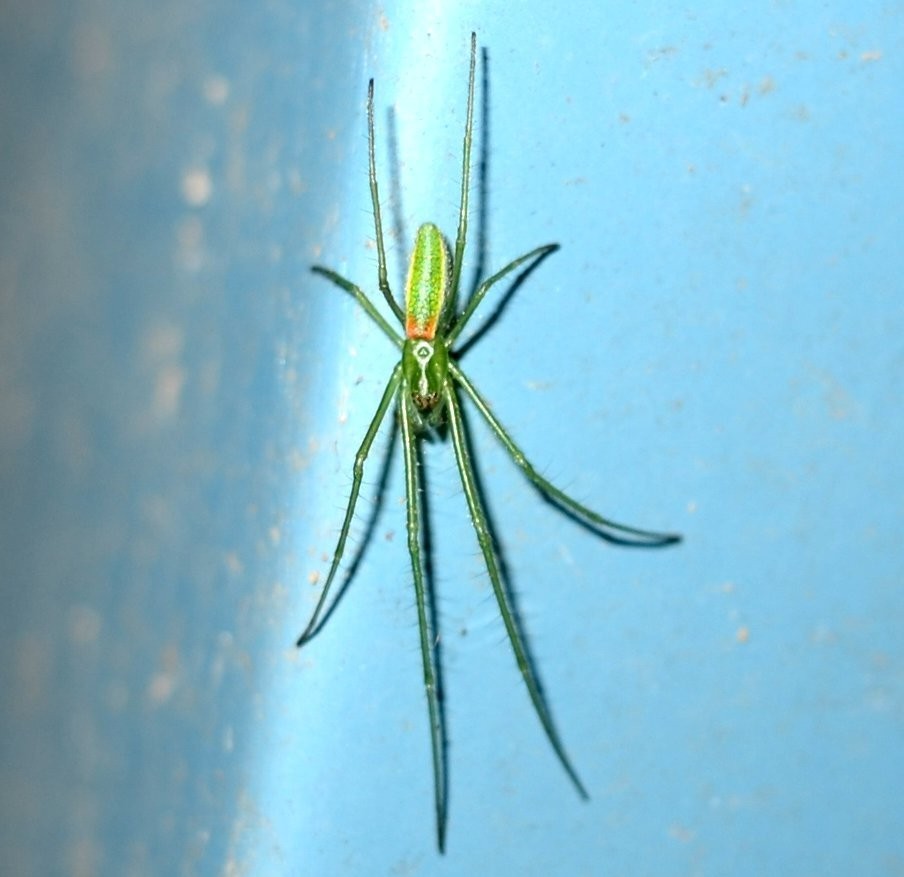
(424, 387)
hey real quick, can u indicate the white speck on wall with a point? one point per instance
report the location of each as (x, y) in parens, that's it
(196, 186)
(168, 391)
(216, 90)
(190, 239)
(162, 350)
(84, 624)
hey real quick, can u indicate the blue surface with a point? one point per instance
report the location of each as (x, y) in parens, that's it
(716, 349)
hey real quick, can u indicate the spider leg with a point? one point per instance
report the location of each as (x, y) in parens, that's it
(427, 636)
(362, 300)
(485, 540)
(559, 497)
(390, 393)
(375, 199)
(462, 234)
(536, 254)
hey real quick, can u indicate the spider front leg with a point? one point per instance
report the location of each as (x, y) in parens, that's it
(427, 637)
(538, 254)
(382, 279)
(390, 393)
(485, 540)
(358, 294)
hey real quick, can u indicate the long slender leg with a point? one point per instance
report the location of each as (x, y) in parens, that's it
(362, 300)
(465, 175)
(536, 254)
(375, 198)
(484, 538)
(428, 655)
(643, 537)
(390, 393)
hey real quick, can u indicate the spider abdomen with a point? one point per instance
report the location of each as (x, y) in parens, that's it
(427, 283)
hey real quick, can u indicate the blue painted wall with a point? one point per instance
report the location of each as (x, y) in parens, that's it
(715, 349)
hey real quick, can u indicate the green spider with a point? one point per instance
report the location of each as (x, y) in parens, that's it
(424, 385)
